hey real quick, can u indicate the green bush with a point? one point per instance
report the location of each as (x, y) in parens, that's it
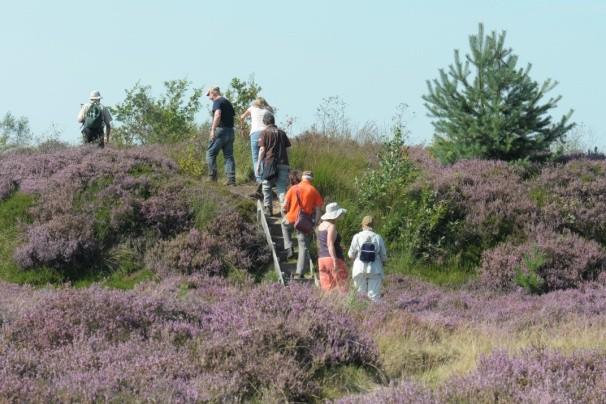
(168, 119)
(530, 279)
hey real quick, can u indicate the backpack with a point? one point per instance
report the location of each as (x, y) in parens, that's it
(270, 169)
(94, 117)
(304, 222)
(368, 251)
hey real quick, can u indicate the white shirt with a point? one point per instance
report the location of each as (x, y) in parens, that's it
(256, 118)
(375, 267)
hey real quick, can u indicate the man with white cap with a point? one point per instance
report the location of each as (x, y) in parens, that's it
(94, 117)
(221, 137)
(300, 197)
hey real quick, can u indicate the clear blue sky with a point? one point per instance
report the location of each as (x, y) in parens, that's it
(373, 54)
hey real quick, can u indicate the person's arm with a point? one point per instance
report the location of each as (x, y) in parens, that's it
(108, 131)
(331, 237)
(383, 249)
(82, 113)
(319, 204)
(353, 248)
(259, 161)
(318, 215)
(215, 123)
(244, 116)
(107, 118)
(286, 204)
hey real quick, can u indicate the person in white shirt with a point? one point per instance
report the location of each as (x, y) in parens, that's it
(369, 254)
(256, 111)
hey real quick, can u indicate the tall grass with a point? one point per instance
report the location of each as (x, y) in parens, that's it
(335, 162)
(434, 354)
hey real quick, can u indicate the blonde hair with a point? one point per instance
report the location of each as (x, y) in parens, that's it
(367, 221)
(260, 102)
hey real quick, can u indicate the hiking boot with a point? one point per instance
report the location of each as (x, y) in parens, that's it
(230, 183)
(259, 191)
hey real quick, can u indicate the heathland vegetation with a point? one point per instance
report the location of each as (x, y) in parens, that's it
(125, 277)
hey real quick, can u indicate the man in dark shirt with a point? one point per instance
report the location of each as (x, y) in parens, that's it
(273, 161)
(221, 136)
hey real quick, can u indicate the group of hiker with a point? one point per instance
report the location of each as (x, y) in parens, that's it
(300, 202)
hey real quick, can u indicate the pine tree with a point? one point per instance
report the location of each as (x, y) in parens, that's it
(486, 107)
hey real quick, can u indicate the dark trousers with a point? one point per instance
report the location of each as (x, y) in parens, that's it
(93, 136)
(223, 141)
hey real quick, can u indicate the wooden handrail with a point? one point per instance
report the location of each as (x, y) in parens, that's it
(263, 223)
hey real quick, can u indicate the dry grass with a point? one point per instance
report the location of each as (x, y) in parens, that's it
(433, 354)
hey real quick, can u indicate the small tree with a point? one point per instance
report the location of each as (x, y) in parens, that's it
(495, 112)
(331, 119)
(14, 131)
(241, 93)
(168, 119)
(385, 184)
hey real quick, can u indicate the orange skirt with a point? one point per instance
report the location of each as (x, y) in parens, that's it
(331, 278)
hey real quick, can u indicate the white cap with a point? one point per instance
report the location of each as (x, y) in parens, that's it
(95, 95)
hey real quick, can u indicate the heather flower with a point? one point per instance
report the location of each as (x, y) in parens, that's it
(63, 240)
(573, 196)
(559, 261)
(228, 242)
(215, 343)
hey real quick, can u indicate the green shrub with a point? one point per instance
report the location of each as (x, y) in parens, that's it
(144, 119)
(530, 279)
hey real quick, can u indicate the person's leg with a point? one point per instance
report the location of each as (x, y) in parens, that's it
(375, 281)
(303, 258)
(361, 283)
(101, 143)
(267, 194)
(254, 149)
(341, 276)
(89, 135)
(325, 273)
(211, 156)
(286, 229)
(282, 182)
(228, 154)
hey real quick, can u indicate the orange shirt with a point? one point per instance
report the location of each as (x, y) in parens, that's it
(310, 199)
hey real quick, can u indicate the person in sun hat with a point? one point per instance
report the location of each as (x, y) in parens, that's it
(306, 197)
(221, 136)
(94, 117)
(331, 260)
(368, 251)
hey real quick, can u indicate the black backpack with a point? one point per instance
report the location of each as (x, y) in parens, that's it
(368, 251)
(94, 117)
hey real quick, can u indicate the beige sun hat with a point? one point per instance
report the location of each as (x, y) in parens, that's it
(95, 95)
(333, 211)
